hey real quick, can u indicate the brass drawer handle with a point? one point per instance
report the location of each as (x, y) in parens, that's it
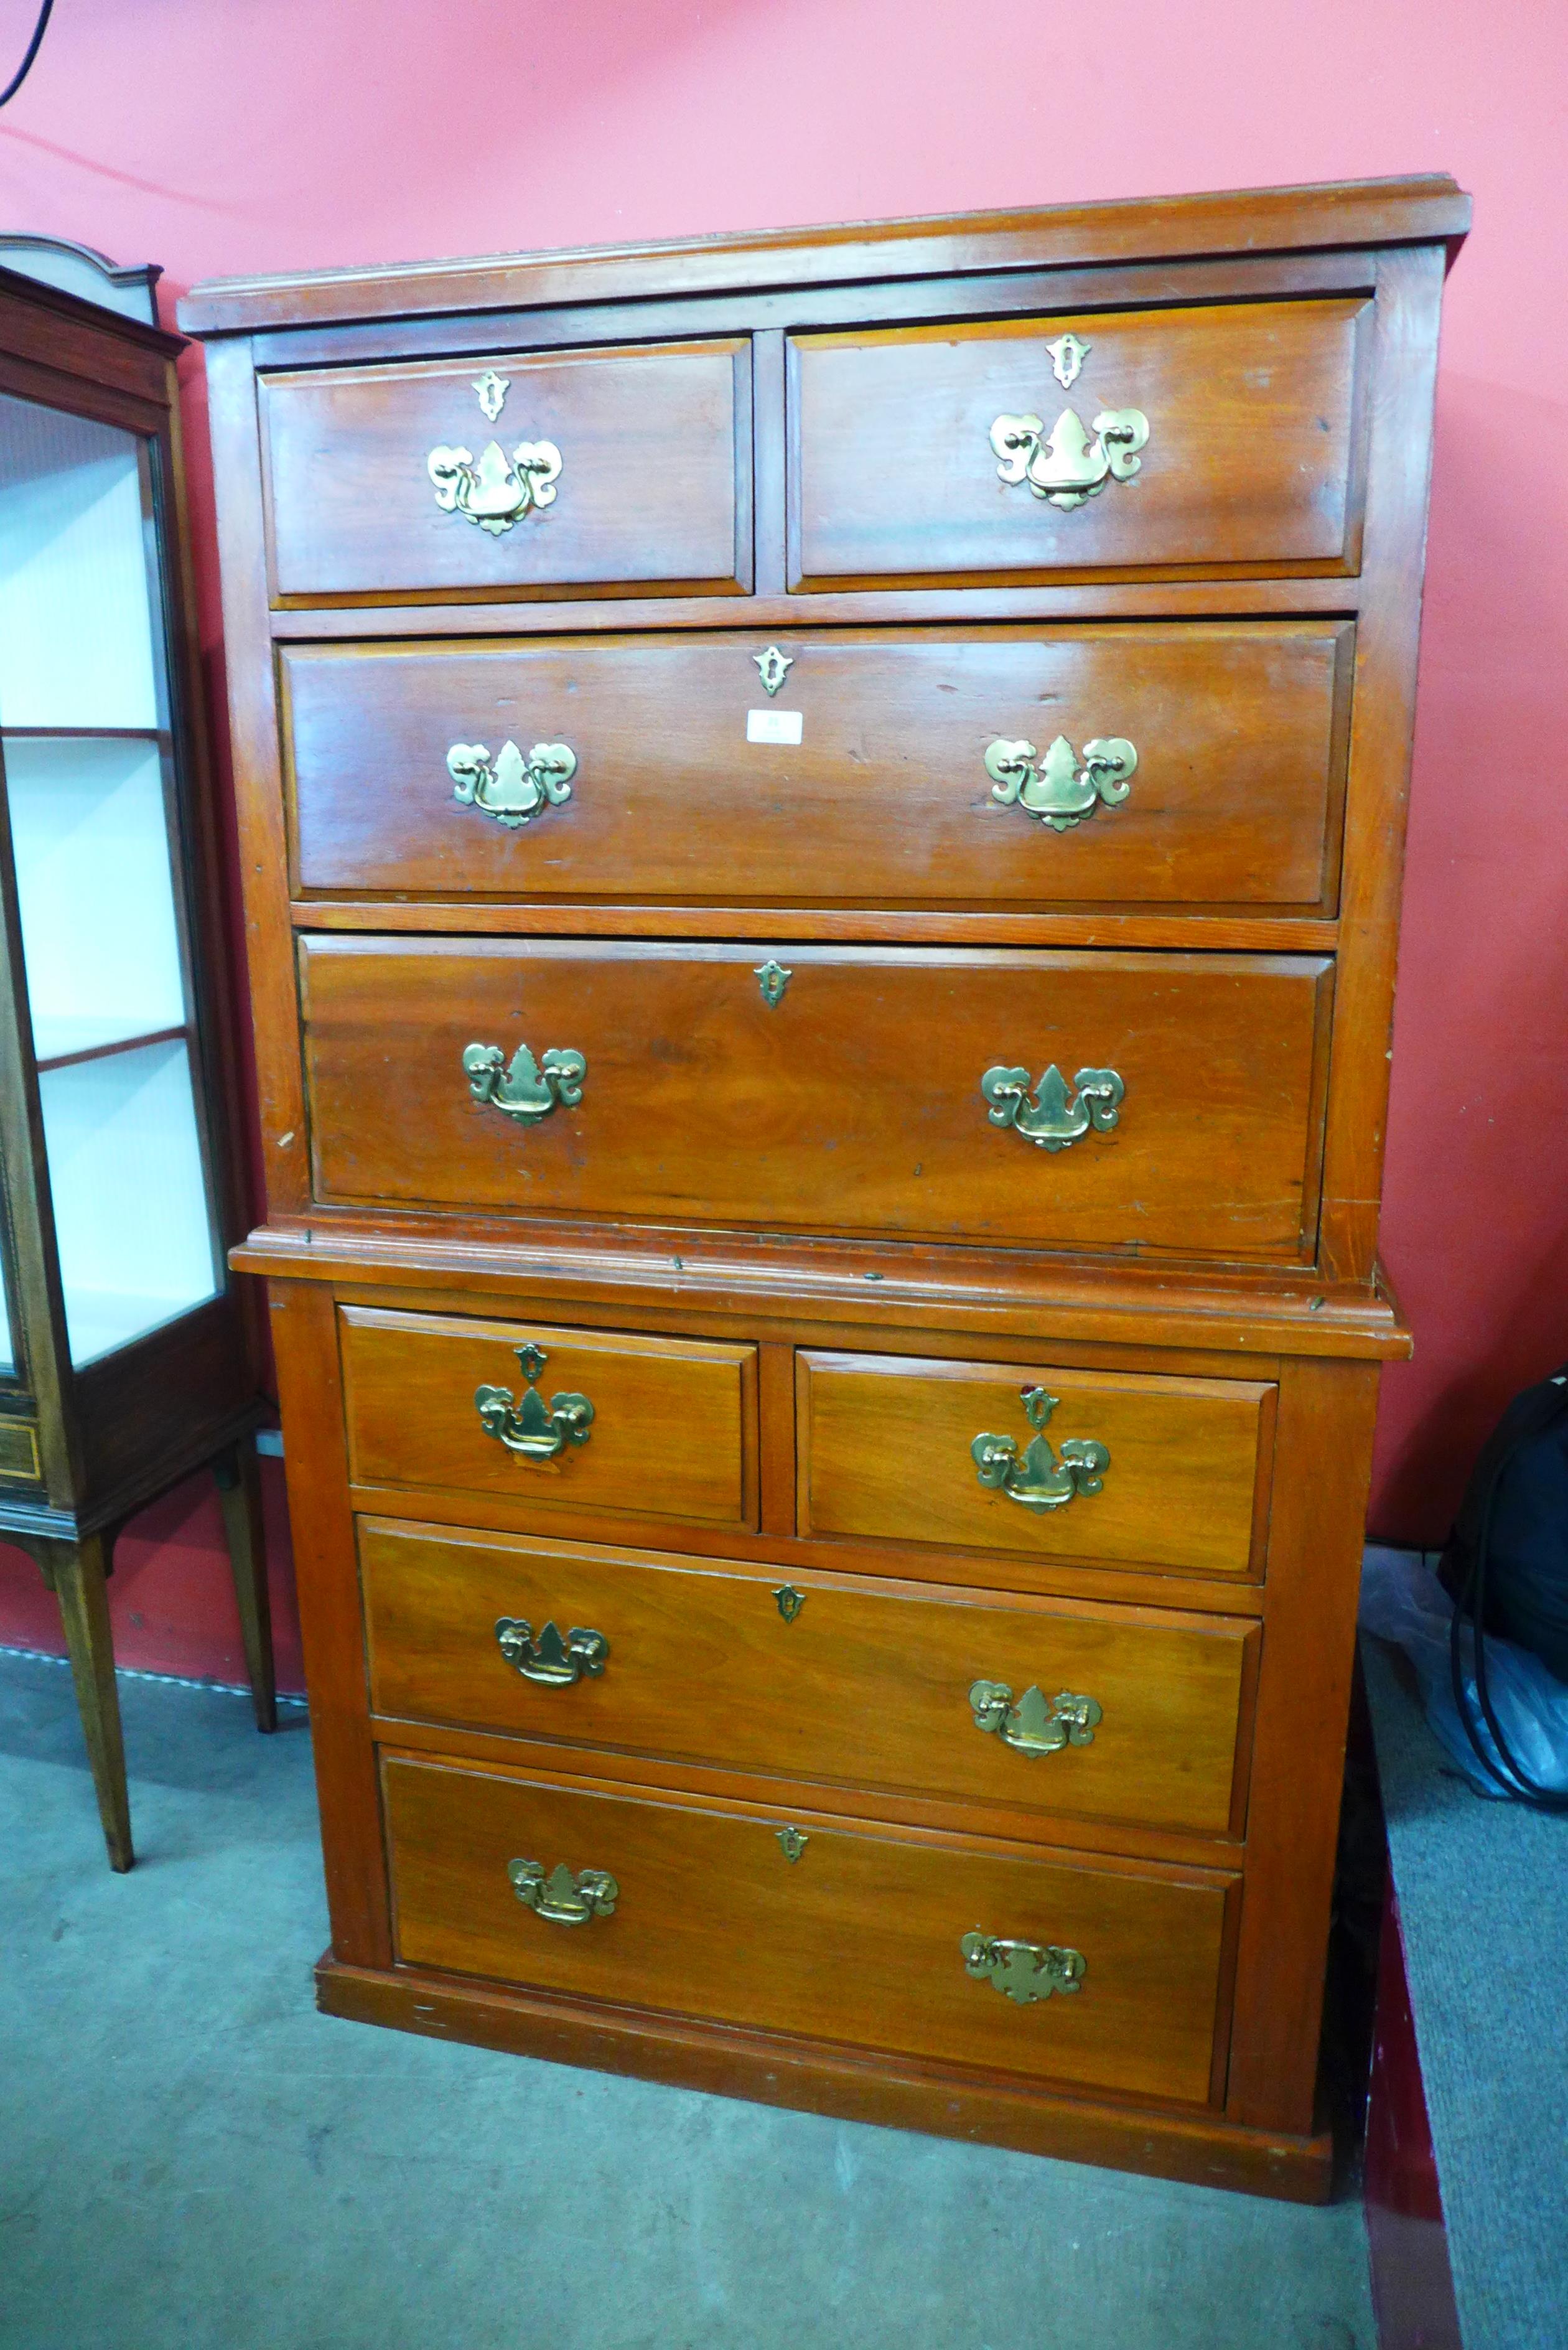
(1056, 790)
(495, 489)
(1026, 1971)
(510, 787)
(1070, 465)
(1041, 1481)
(1050, 1120)
(1037, 1724)
(525, 1428)
(526, 1089)
(556, 1661)
(567, 1898)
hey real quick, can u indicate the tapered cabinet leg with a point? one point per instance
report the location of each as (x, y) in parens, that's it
(76, 1571)
(239, 1492)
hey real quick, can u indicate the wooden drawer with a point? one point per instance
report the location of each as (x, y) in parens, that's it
(858, 1940)
(864, 1683)
(1250, 459)
(653, 488)
(887, 1449)
(1238, 730)
(672, 1432)
(853, 1103)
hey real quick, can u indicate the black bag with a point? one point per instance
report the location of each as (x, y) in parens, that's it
(1506, 1564)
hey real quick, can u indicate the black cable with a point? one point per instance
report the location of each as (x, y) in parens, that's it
(26, 67)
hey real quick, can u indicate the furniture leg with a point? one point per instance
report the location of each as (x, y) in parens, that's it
(76, 1571)
(239, 1494)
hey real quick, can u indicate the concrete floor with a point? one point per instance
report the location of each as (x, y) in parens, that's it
(191, 2158)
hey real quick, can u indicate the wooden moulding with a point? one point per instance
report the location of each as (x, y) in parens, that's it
(773, 2070)
(1426, 207)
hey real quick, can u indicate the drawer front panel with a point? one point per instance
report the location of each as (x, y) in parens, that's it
(1248, 456)
(671, 1433)
(887, 798)
(857, 1940)
(861, 1685)
(852, 1102)
(652, 489)
(887, 1450)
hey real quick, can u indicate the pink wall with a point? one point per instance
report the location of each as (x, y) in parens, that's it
(298, 134)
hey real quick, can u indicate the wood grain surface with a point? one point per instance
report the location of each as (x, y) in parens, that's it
(885, 1452)
(852, 1104)
(674, 1433)
(1239, 730)
(1251, 409)
(858, 1940)
(655, 482)
(868, 1683)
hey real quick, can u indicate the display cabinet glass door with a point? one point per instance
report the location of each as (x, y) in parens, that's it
(90, 779)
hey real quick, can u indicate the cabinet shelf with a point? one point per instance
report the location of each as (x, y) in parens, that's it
(61, 1055)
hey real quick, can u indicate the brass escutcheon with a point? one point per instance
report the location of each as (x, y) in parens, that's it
(1071, 464)
(1026, 1971)
(1057, 791)
(1037, 1724)
(567, 1898)
(1050, 1120)
(1039, 1481)
(510, 787)
(525, 1428)
(555, 1659)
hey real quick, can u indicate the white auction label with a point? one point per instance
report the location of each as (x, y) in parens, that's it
(773, 725)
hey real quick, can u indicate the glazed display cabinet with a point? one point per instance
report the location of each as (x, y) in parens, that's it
(126, 1363)
(822, 821)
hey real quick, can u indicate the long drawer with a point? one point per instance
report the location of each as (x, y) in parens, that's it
(863, 1936)
(1156, 1102)
(629, 768)
(555, 473)
(584, 1419)
(1086, 1712)
(1108, 1468)
(1180, 441)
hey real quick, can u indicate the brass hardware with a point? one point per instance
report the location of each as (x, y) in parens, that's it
(1058, 791)
(1035, 1725)
(772, 979)
(558, 1662)
(494, 490)
(1068, 468)
(1039, 1482)
(1067, 356)
(511, 787)
(492, 389)
(1026, 1971)
(792, 1842)
(790, 1601)
(528, 1429)
(528, 1089)
(773, 668)
(1050, 1120)
(565, 1897)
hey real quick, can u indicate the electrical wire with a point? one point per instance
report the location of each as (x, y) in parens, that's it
(26, 67)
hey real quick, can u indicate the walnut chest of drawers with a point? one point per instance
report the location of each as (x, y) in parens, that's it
(821, 818)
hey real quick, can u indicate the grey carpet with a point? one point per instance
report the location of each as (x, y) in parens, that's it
(191, 2158)
(1483, 1900)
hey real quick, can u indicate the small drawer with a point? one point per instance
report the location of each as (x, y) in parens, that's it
(1107, 1469)
(1161, 1102)
(1192, 765)
(558, 1420)
(615, 470)
(1183, 441)
(866, 1936)
(1087, 1712)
